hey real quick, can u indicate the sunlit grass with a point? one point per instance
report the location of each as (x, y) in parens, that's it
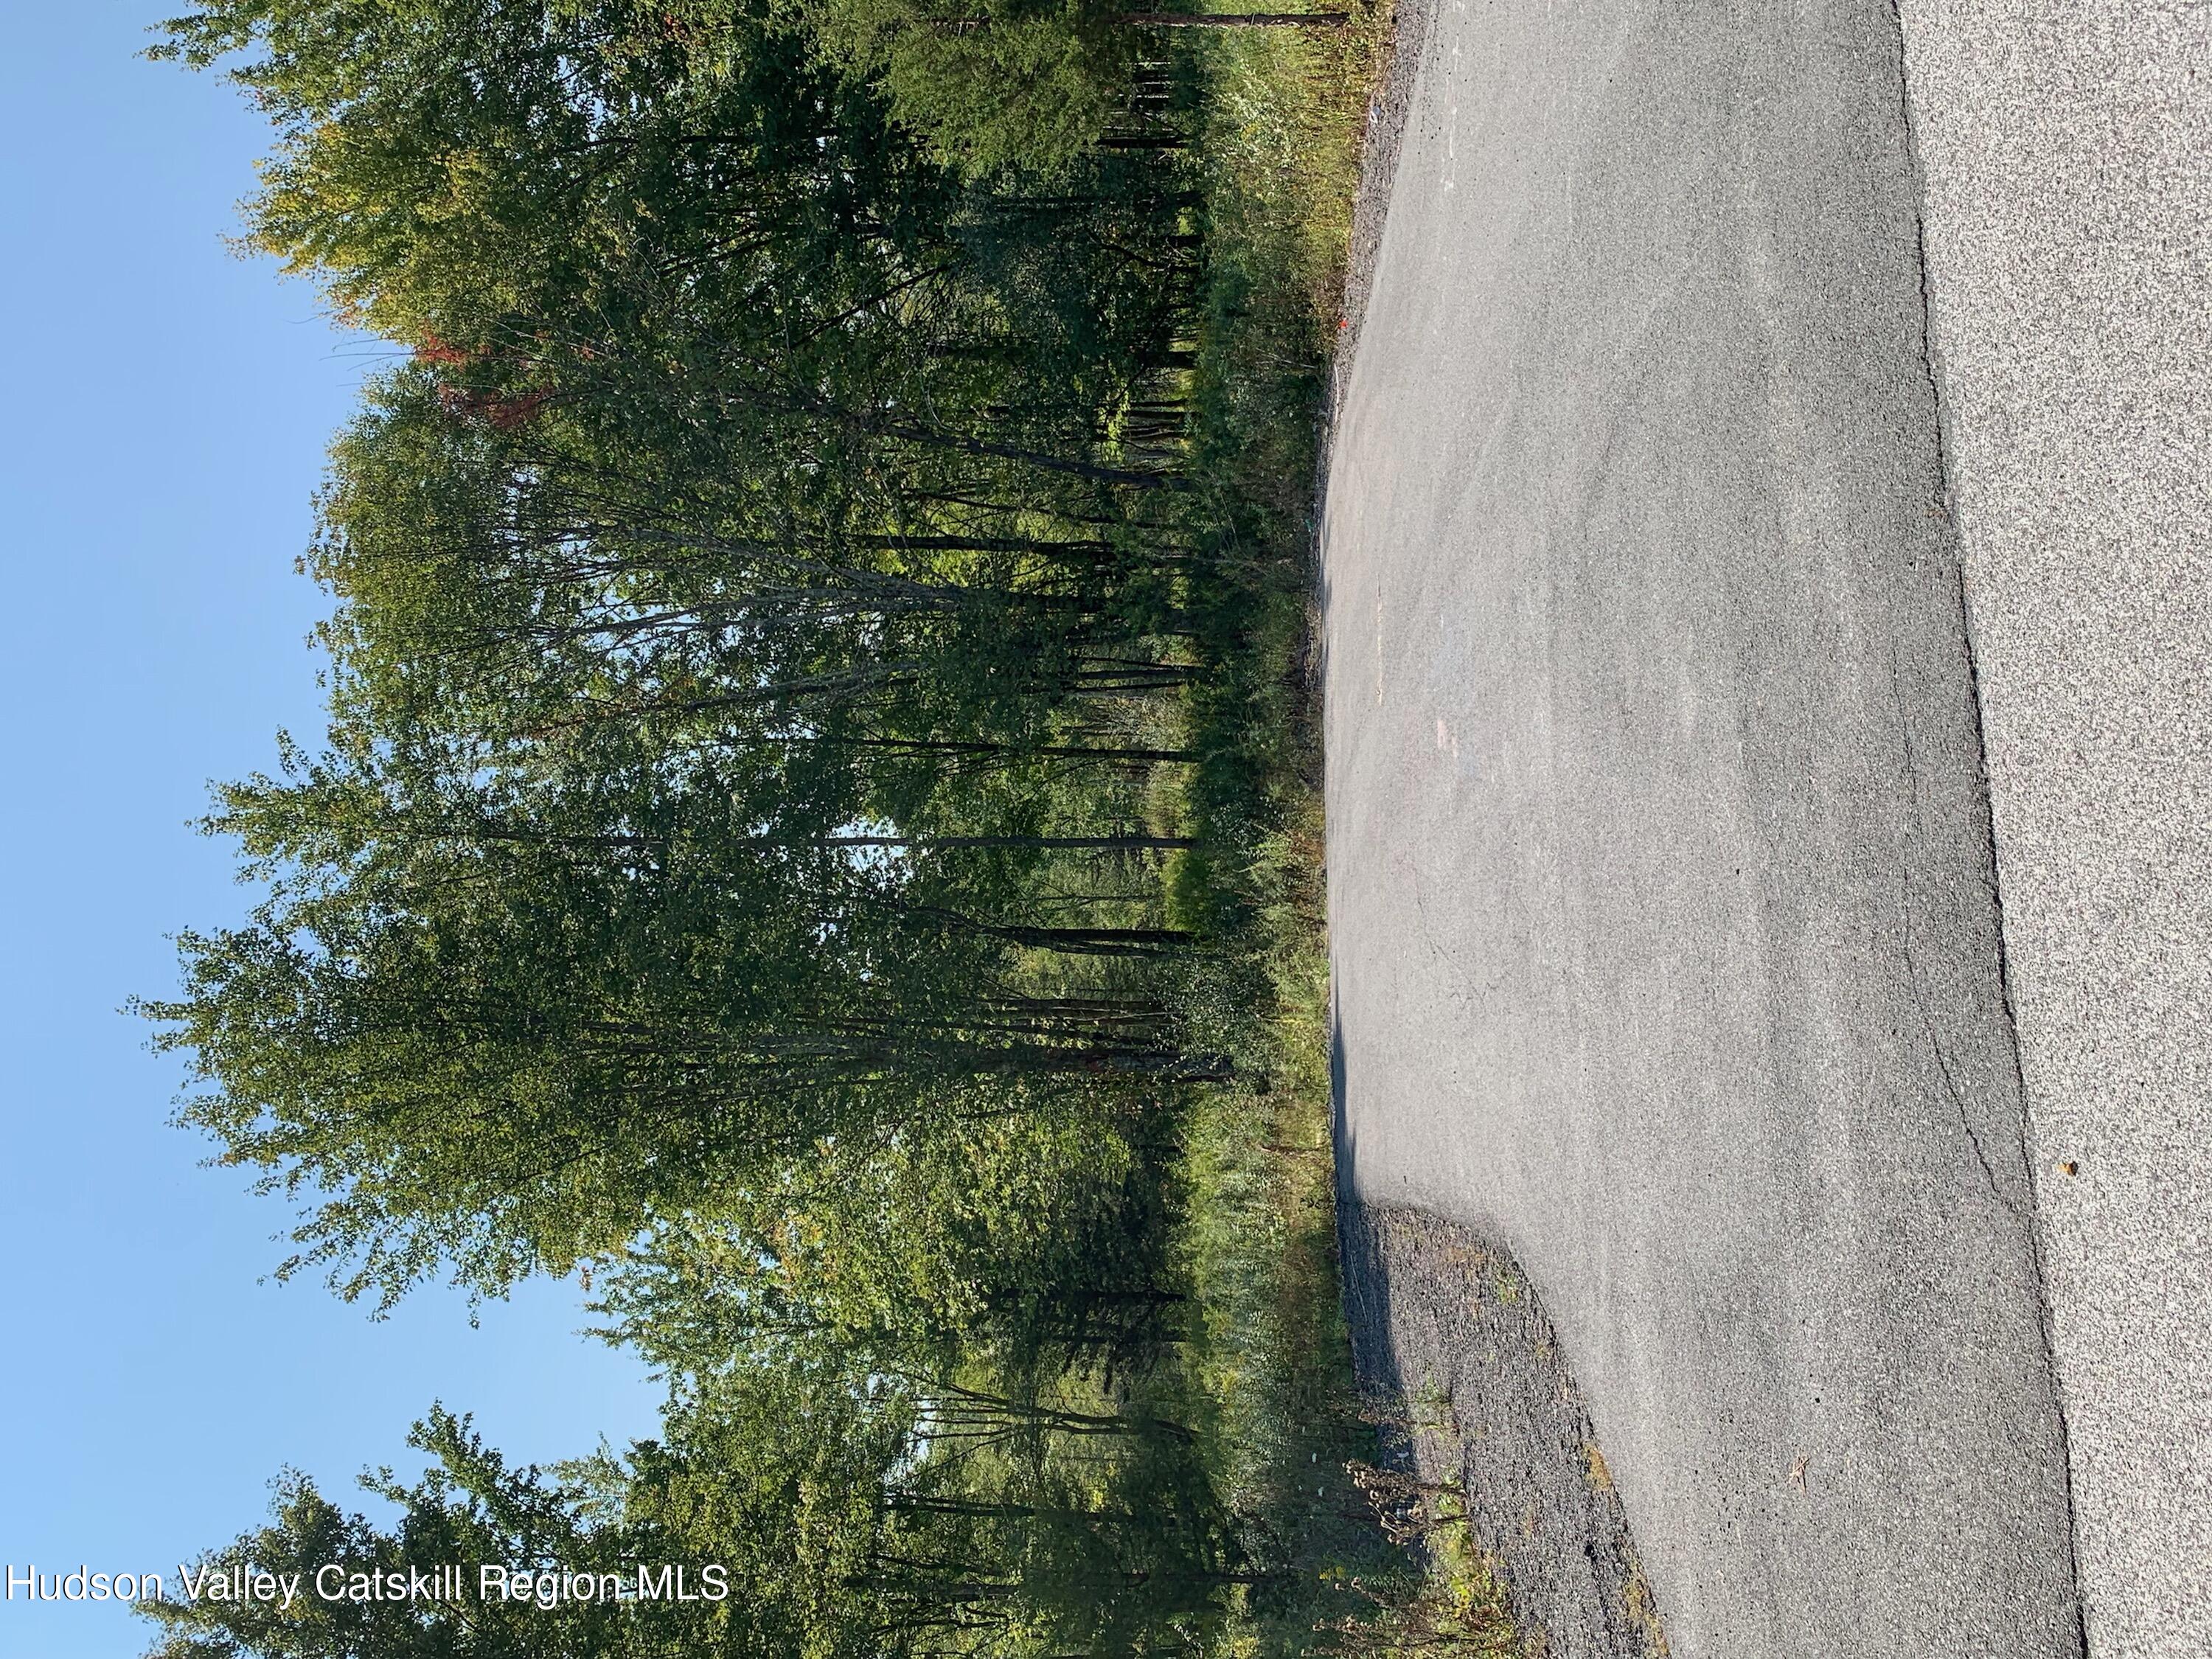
(1283, 1422)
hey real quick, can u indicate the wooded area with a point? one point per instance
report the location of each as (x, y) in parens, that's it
(815, 831)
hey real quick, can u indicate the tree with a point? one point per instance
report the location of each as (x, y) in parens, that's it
(1037, 1239)
(508, 1025)
(776, 1518)
(471, 1507)
(454, 172)
(991, 87)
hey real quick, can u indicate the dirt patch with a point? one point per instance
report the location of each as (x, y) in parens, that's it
(1446, 1329)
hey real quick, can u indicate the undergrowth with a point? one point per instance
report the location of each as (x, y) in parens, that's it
(1288, 1430)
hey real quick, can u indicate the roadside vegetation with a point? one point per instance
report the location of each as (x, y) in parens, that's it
(817, 832)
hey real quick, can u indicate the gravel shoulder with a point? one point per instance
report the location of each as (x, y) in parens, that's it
(1447, 1330)
(1663, 904)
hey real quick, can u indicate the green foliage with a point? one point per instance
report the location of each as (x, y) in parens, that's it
(988, 84)
(1036, 1239)
(816, 826)
(448, 167)
(470, 1507)
(775, 1494)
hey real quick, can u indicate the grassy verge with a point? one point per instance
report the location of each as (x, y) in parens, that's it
(1288, 1432)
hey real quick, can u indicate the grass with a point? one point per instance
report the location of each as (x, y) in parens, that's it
(1286, 1429)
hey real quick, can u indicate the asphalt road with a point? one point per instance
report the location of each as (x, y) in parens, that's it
(1661, 895)
(2068, 158)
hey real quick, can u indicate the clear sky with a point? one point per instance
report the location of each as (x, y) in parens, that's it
(165, 411)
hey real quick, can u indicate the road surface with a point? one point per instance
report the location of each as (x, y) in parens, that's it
(1662, 899)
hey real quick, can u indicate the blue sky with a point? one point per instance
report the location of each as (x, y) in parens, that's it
(166, 410)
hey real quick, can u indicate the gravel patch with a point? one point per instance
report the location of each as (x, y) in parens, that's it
(1447, 1324)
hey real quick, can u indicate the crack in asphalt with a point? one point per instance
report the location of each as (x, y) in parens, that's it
(1945, 508)
(1941, 505)
(1911, 963)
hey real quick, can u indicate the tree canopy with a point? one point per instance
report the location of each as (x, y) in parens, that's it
(749, 859)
